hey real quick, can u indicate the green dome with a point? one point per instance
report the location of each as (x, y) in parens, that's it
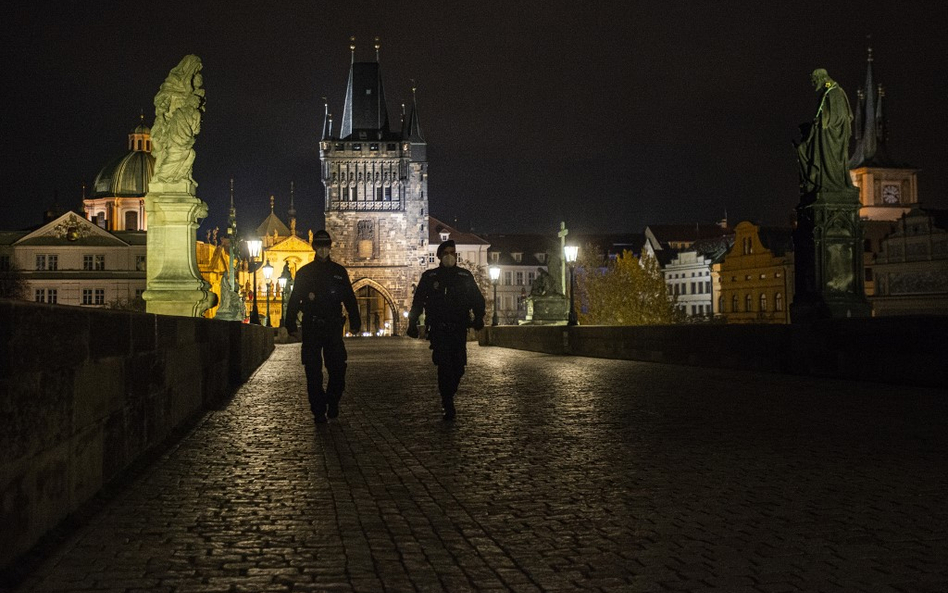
(125, 177)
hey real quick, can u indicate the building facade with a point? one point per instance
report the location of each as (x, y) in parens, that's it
(376, 205)
(757, 276)
(520, 257)
(690, 276)
(911, 271)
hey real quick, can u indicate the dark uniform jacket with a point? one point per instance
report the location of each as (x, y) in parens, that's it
(319, 291)
(448, 296)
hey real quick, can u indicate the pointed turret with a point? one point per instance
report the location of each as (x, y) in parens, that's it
(292, 212)
(413, 127)
(327, 121)
(870, 128)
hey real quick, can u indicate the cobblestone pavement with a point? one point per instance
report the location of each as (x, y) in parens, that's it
(560, 474)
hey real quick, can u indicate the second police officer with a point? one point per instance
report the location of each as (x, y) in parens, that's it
(452, 302)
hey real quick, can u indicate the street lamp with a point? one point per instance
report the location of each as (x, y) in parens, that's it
(571, 251)
(254, 247)
(286, 281)
(267, 272)
(494, 272)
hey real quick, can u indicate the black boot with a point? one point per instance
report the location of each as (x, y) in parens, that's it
(447, 407)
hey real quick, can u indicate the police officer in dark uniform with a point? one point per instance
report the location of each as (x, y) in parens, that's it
(320, 290)
(452, 302)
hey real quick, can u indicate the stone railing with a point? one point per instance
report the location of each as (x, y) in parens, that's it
(904, 350)
(84, 393)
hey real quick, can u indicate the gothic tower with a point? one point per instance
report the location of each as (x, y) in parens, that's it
(376, 211)
(887, 189)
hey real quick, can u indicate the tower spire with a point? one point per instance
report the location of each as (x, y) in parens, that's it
(327, 122)
(271, 203)
(292, 212)
(414, 124)
(867, 141)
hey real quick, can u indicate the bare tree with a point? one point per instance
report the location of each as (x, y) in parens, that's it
(13, 284)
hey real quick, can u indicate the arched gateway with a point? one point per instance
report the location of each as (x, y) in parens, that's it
(377, 308)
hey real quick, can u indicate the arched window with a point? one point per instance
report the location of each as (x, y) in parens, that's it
(763, 302)
(734, 304)
(778, 302)
(748, 302)
(721, 304)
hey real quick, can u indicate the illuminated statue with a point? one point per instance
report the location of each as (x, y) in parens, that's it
(824, 151)
(231, 306)
(178, 107)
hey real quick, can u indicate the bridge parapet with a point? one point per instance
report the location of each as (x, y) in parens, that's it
(900, 350)
(86, 392)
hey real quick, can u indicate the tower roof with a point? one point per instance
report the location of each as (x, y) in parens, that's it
(272, 223)
(364, 115)
(870, 126)
(128, 175)
(413, 125)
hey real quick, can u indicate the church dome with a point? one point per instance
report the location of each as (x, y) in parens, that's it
(128, 176)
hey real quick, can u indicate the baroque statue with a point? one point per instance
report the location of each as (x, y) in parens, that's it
(544, 284)
(823, 152)
(178, 107)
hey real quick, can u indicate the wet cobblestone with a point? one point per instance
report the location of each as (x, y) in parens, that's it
(560, 474)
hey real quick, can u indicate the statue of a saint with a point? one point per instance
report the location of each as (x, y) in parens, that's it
(544, 284)
(231, 306)
(178, 107)
(824, 151)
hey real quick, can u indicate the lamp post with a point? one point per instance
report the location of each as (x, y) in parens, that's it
(494, 272)
(254, 247)
(267, 273)
(571, 251)
(286, 281)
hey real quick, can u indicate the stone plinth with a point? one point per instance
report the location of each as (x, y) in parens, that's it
(828, 260)
(175, 285)
(547, 310)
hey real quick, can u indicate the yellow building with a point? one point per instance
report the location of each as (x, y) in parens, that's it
(757, 276)
(281, 248)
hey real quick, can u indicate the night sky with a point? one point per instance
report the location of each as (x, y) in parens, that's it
(608, 115)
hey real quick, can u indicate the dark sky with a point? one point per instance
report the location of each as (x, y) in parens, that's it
(609, 115)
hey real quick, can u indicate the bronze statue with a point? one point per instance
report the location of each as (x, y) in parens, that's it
(824, 151)
(178, 107)
(544, 284)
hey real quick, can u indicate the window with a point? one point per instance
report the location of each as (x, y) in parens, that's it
(494, 257)
(707, 287)
(778, 302)
(40, 262)
(93, 262)
(356, 147)
(86, 296)
(87, 262)
(373, 146)
(390, 147)
(693, 288)
(531, 276)
(99, 296)
(734, 304)
(518, 257)
(519, 278)
(868, 274)
(40, 295)
(46, 295)
(748, 303)
(508, 278)
(763, 302)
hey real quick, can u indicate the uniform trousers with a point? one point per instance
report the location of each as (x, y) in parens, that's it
(449, 353)
(333, 352)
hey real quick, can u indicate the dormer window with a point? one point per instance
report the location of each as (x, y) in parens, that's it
(518, 257)
(495, 257)
(444, 236)
(541, 257)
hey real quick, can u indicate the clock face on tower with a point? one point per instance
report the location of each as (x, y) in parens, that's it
(891, 194)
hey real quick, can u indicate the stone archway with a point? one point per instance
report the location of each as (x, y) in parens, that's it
(376, 307)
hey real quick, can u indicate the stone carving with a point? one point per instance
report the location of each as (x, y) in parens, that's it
(544, 284)
(178, 107)
(823, 153)
(232, 307)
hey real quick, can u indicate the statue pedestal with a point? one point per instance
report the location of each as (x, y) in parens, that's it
(174, 283)
(828, 265)
(547, 310)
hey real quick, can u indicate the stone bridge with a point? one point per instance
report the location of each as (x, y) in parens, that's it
(561, 473)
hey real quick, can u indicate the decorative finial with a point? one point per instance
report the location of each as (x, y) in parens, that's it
(141, 115)
(869, 44)
(352, 47)
(231, 193)
(881, 90)
(377, 46)
(413, 88)
(271, 204)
